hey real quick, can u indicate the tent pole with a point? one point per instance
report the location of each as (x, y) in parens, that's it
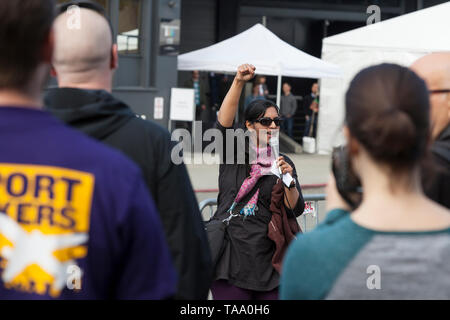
(279, 90)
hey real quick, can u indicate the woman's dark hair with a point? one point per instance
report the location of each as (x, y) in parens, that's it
(387, 111)
(257, 108)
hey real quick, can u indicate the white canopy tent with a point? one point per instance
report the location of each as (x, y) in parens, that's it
(400, 40)
(260, 47)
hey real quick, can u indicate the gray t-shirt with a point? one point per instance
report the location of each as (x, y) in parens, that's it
(288, 105)
(342, 260)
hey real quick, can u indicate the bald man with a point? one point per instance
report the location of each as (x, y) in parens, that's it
(84, 63)
(435, 70)
(84, 58)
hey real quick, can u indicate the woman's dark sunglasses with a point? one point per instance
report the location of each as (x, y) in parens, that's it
(266, 122)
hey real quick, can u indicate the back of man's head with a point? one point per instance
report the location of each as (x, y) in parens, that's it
(83, 51)
(25, 27)
(434, 68)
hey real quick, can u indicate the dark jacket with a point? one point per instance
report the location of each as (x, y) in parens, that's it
(200, 114)
(437, 185)
(307, 100)
(101, 116)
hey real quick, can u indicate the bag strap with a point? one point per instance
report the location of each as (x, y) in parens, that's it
(244, 201)
(249, 195)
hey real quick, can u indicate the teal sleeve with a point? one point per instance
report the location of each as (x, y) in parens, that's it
(315, 260)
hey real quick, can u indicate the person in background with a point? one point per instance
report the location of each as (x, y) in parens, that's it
(251, 261)
(288, 107)
(76, 219)
(260, 83)
(435, 70)
(84, 101)
(214, 86)
(200, 96)
(311, 109)
(224, 86)
(396, 243)
(255, 96)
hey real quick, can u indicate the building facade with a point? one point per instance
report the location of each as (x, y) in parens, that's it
(151, 33)
(147, 33)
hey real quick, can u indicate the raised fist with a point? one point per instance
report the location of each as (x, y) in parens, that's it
(245, 72)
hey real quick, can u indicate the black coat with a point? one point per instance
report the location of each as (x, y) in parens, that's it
(101, 116)
(307, 100)
(437, 183)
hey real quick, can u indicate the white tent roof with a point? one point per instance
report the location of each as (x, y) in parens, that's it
(423, 30)
(260, 47)
(400, 40)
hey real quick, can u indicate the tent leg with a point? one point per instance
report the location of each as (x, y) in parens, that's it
(279, 91)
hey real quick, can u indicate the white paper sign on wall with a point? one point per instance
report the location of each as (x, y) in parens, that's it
(182, 106)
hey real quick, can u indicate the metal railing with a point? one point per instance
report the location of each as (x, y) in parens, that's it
(211, 203)
(303, 186)
(312, 210)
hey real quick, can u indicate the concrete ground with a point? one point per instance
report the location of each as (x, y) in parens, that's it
(311, 169)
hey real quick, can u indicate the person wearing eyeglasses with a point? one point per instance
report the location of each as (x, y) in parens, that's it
(435, 70)
(262, 210)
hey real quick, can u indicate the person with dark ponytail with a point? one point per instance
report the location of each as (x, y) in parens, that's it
(396, 243)
(261, 210)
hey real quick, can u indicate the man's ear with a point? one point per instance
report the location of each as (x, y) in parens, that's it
(114, 57)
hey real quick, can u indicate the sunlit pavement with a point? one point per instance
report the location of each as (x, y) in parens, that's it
(312, 169)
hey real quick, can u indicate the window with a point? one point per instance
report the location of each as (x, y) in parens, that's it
(128, 39)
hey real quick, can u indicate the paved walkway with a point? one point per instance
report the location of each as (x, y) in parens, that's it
(311, 169)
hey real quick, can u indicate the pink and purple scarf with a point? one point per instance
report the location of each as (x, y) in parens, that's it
(260, 167)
